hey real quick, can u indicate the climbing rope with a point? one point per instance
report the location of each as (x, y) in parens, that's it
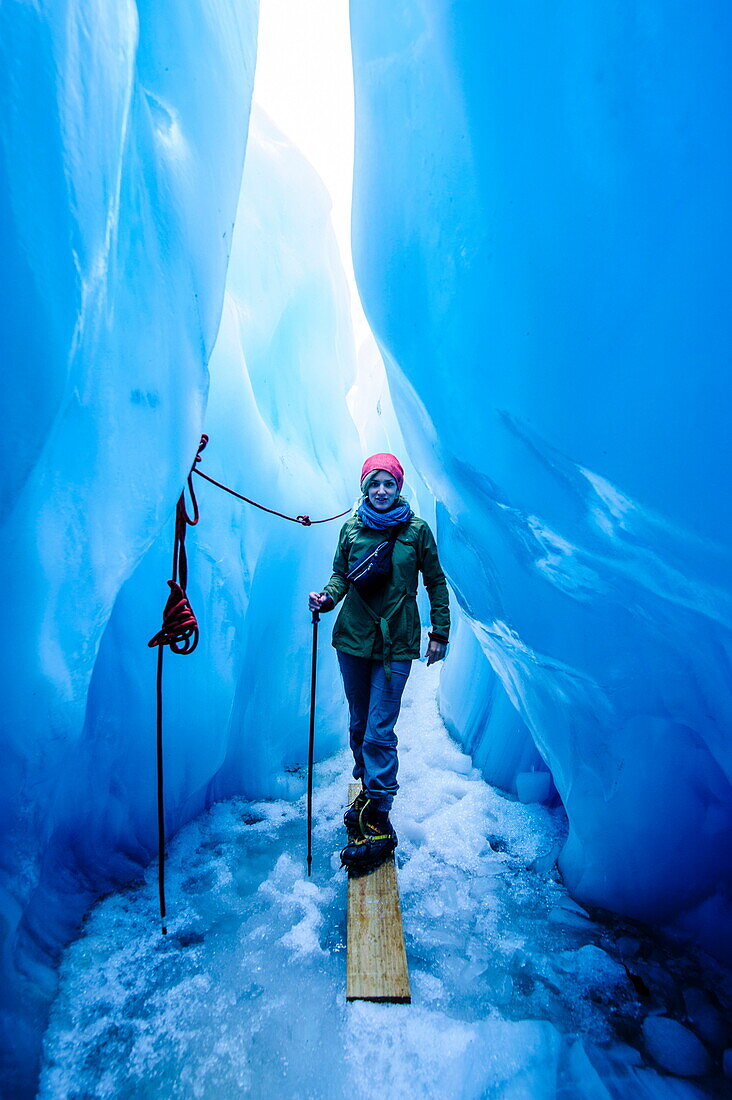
(180, 630)
(306, 521)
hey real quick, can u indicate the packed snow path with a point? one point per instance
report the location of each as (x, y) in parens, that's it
(517, 993)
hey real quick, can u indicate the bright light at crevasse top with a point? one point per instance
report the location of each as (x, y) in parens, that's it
(304, 81)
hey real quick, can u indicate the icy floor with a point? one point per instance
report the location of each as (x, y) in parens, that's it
(517, 993)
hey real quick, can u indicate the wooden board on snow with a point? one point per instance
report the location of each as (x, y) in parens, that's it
(376, 959)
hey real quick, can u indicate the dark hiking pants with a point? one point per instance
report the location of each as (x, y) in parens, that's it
(374, 704)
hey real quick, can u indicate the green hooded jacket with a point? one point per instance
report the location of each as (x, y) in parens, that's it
(386, 626)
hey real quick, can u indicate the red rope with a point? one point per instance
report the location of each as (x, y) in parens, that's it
(180, 632)
(306, 521)
(180, 628)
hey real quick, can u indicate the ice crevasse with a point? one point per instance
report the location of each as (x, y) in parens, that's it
(195, 317)
(540, 225)
(541, 222)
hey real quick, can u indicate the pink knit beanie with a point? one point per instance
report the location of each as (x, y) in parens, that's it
(386, 462)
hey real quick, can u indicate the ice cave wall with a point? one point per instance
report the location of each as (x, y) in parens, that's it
(235, 712)
(122, 138)
(541, 236)
(541, 227)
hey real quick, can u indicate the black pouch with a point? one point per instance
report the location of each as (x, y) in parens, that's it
(373, 569)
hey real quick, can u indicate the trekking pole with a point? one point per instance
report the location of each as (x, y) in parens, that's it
(311, 743)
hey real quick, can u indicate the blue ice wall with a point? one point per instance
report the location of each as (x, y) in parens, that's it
(122, 138)
(541, 232)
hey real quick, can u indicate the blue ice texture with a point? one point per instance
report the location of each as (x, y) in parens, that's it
(511, 980)
(541, 235)
(121, 149)
(551, 182)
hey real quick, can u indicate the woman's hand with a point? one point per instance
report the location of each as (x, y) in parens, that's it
(435, 652)
(319, 601)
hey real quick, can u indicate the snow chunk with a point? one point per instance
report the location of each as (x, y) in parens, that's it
(674, 1047)
(591, 967)
(296, 897)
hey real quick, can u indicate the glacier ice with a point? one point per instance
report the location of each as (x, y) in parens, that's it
(674, 1047)
(246, 996)
(87, 540)
(541, 221)
(236, 714)
(121, 148)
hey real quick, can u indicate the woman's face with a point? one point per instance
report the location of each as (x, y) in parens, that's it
(382, 491)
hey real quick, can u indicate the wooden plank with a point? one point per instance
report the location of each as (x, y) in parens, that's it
(376, 967)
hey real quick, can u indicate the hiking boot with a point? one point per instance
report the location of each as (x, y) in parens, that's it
(352, 814)
(373, 822)
(375, 844)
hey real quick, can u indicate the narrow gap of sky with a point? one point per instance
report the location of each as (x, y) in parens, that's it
(304, 82)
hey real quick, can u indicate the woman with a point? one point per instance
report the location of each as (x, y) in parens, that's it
(377, 636)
